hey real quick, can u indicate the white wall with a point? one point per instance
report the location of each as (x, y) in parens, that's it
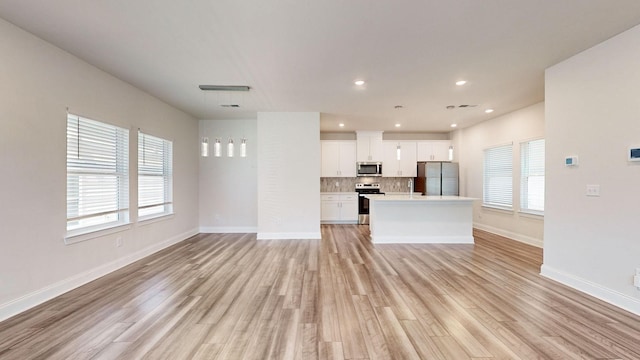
(288, 175)
(37, 84)
(229, 186)
(592, 111)
(469, 144)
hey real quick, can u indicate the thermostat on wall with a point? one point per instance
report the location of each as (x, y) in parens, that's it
(634, 153)
(571, 161)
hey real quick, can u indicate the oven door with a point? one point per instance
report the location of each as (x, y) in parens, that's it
(363, 205)
(363, 210)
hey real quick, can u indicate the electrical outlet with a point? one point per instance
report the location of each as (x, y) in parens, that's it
(337, 184)
(119, 241)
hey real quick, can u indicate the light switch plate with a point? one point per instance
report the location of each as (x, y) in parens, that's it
(593, 190)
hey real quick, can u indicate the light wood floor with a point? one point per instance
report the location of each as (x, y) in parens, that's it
(232, 297)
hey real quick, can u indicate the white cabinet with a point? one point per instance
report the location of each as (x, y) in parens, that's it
(338, 158)
(369, 145)
(405, 166)
(433, 150)
(339, 208)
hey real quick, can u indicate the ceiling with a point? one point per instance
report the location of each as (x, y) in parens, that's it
(304, 55)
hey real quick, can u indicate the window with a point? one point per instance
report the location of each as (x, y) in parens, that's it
(155, 176)
(532, 179)
(498, 182)
(97, 175)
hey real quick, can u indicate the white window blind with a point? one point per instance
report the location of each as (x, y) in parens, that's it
(498, 177)
(532, 176)
(97, 175)
(155, 176)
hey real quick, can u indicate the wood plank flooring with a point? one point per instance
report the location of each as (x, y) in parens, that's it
(231, 297)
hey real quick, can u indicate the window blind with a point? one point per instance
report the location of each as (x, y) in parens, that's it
(498, 177)
(155, 176)
(532, 176)
(97, 174)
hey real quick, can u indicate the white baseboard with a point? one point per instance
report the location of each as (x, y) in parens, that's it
(39, 296)
(605, 294)
(289, 236)
(340, 222)
(229, 229)
(511, 235)
(421, 239)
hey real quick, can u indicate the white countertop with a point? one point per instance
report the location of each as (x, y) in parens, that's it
(416, 197)
(339, 193)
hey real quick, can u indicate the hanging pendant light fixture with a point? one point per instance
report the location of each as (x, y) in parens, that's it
(450, 152)
(230, 148)
(204, 147)
(217, 148)
(398, 152)
(243, 148)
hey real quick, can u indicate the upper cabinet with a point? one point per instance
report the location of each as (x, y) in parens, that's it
(369, 145)
(433, 150)
(399, 159)
(338, 158)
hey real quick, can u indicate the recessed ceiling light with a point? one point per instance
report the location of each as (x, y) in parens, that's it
(397, 125)
(341, 125)
(359, 82)
(454, 125)
(461, 82)
(489, 111)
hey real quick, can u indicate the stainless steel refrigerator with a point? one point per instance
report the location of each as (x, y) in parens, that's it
(437, 178)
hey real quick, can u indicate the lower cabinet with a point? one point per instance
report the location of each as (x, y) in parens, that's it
(339, 208)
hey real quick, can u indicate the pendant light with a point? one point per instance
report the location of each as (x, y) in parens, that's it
(204, 147)
(243, 148)
(398, 152)
(217, 148)
(230, 148)
(450, 152)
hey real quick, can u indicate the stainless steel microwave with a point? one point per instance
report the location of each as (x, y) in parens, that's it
(369, 169)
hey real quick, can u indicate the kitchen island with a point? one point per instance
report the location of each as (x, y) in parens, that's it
(421, 219)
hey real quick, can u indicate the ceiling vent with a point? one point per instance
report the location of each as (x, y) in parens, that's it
(230, 105)
(224, 87)
(451, 107)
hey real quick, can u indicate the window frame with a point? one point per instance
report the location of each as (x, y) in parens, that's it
(501, 164)
(96, 151)
(158, 167)
(525, 174)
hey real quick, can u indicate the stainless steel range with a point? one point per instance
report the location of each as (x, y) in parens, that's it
(363, 203)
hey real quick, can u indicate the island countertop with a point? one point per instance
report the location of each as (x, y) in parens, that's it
(405, 218)
(417, 197)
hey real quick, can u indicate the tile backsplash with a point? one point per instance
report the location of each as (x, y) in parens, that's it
(343, 184)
